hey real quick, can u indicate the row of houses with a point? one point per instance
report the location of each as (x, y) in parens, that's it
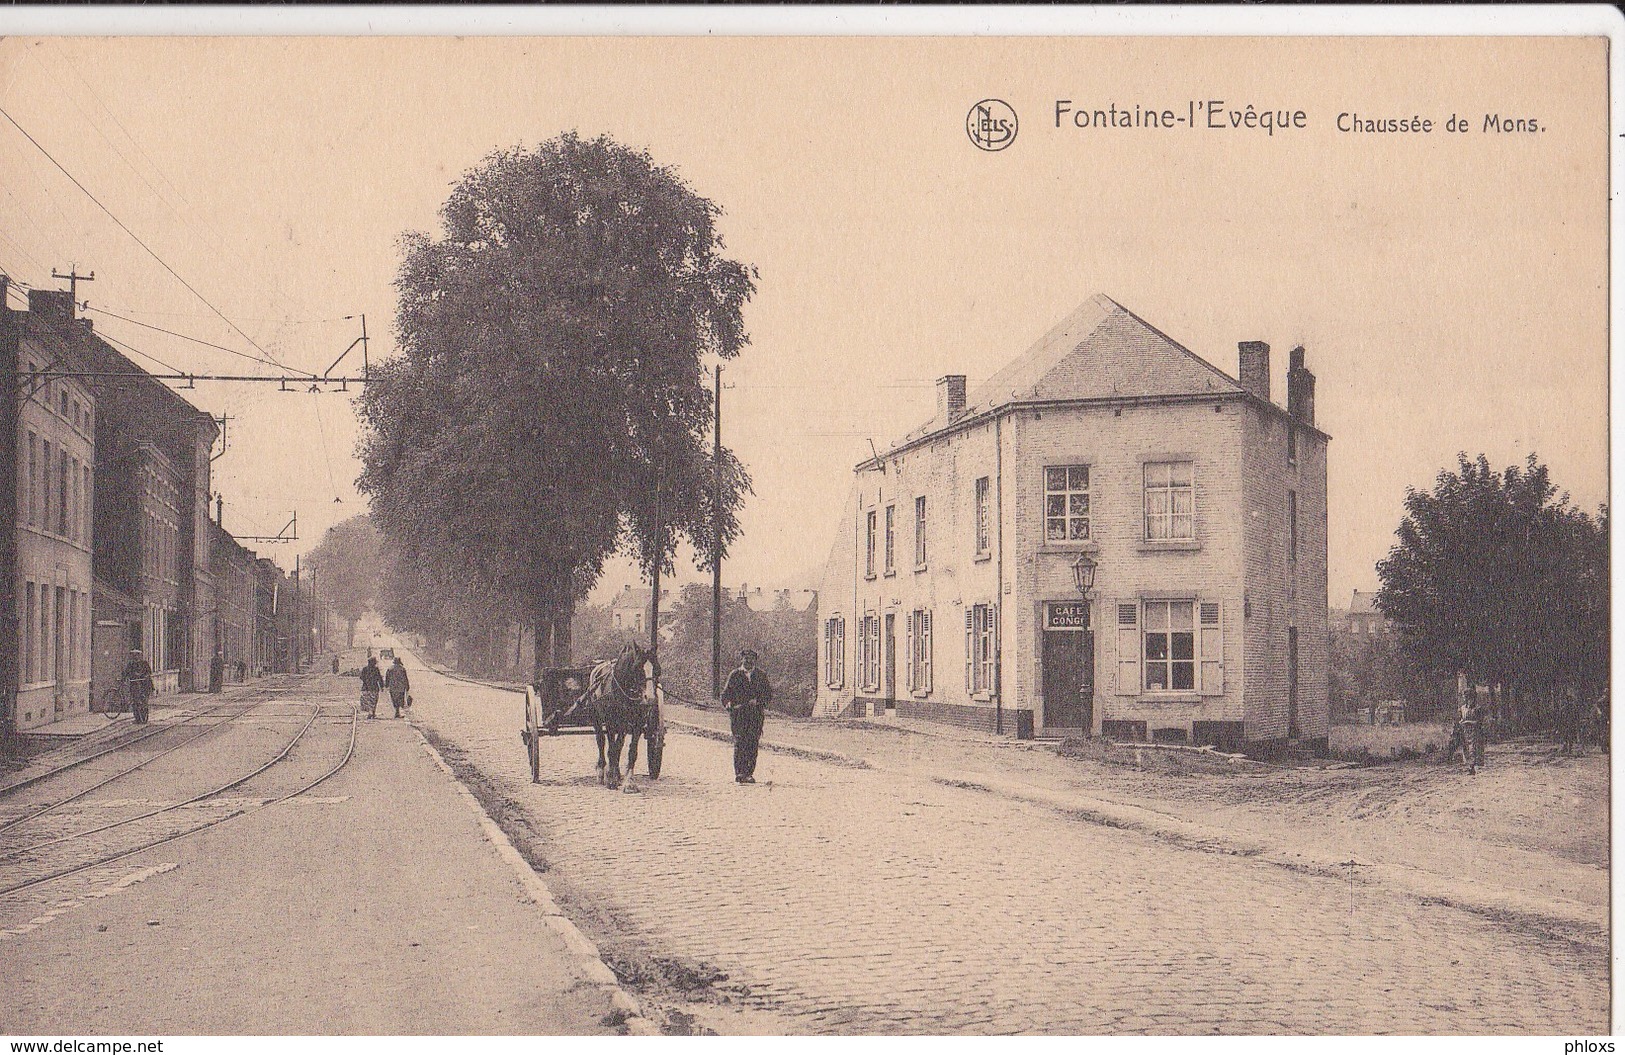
(1110, 537)
(115, 548)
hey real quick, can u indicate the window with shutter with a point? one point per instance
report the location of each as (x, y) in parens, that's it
(1212, 649)
(970, 650)
(925, 647)
(908, 651)
(1128, 649)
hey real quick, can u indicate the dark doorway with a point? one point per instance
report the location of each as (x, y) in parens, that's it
(1069, 680)
(1292, 683)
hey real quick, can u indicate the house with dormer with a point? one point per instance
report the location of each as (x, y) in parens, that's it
(1109, 537)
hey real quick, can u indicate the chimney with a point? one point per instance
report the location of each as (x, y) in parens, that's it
(1300, 388)
(950, 396)
(219, 510)
(1255, 368)
(53, 304)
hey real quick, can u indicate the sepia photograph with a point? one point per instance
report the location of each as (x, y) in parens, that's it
(782, 523)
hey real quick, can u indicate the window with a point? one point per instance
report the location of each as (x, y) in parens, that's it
(983, 515)
(1291, 444)
(62, 493)
(869, 664)
(1170, 646)
(30, 642)
(1170, 499)
(63, 404)
(45, 484)
(835, 652)
(33, 479)
(919, 532)
(1292, 525)
(981, 648)
(919, 651)
(869, 560)
(1066, 503)
(891, 540)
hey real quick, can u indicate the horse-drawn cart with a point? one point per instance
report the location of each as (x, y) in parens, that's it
(561, 704)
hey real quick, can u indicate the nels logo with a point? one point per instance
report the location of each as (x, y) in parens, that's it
(991, 124)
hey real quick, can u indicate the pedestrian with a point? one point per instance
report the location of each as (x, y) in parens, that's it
(335, 663)
(372, 679)
(398, 684)
(217, 671)
(746, 695)
(1472, 736)
(137, 679)
(242, 670)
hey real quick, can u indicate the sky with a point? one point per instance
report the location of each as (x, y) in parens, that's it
(1449, 288)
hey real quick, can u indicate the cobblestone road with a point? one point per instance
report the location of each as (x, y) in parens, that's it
(845, 900)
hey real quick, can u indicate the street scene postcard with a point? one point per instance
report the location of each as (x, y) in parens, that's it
(833, 528)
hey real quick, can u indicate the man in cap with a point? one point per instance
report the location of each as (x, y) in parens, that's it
(137, 680)
(746, 695)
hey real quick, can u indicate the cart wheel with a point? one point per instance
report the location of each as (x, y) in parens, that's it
(657, 748)
(533, 734)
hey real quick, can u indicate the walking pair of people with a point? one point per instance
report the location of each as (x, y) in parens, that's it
(373, 679)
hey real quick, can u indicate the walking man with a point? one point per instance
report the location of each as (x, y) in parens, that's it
(398, 684)
(746, 695)
(217, 671)
(372, 679)
(137, 679)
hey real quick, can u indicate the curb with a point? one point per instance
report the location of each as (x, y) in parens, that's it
(590, 960)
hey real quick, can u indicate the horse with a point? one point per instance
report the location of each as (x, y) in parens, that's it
(615, 702)
(1583, 720)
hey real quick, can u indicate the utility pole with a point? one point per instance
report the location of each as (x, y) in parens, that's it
(654, 568)
(10, 409)
(294, 636)
(74, 278)
(716, 543)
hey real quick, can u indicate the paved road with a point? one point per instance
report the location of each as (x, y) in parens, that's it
(373, 905)
(845, 900)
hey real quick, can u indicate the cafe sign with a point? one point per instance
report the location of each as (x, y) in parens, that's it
(1066, 615)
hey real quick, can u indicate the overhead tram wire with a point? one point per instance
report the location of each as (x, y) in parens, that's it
(137, 239)
(195, 340)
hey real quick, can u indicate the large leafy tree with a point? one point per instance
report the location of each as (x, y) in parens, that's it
(548, 404)
(347, 564)
(1496, 575)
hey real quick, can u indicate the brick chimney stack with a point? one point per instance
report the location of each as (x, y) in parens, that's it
(53, 304)
(950, 396)
(1255, 368)
(1300, 388)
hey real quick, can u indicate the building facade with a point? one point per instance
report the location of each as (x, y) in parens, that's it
(150, 507)
(951, 592)
(236, 606)
(56, 458)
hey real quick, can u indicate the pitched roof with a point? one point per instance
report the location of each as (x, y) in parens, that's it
(1100, 351)
(1363, 604)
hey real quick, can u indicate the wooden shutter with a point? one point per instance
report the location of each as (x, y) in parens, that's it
(925, 648)
(908, 652)
(1128, 648)
(970, 649)
(1211, 649)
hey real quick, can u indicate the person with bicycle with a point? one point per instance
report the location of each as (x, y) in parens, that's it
(137, 681)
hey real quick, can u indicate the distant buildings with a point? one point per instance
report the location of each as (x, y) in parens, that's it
(629, 609)
(952, 589)
(1365, 619)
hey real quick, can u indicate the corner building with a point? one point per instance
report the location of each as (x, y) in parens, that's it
(951, 593)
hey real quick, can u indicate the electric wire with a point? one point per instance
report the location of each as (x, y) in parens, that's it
(194, 340)
(137, 238)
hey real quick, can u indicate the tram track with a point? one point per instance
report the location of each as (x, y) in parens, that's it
(10, 855)
(245, 811)
(119, 745)
(24, 819)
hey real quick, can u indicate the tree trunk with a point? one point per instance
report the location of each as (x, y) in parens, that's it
(349, 632)
(563, 614)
